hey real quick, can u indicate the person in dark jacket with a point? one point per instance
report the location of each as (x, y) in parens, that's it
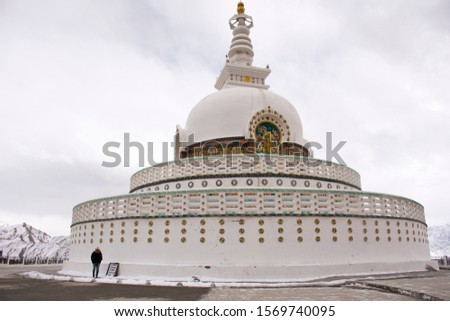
(96, 259)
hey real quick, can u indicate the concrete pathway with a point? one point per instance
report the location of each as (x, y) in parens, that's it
(408, 286)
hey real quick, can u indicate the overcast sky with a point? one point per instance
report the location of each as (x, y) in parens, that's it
(77, 74)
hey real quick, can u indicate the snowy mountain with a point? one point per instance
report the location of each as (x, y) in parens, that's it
(439, 237)
(24, 241)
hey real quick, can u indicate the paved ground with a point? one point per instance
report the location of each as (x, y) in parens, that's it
(409, 286)
(17, 288)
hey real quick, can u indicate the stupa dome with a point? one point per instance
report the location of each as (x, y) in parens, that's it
(235, 111)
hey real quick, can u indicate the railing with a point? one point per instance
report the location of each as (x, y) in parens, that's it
(443, 261)
(31, 261)
(242, 202)
(238, 165)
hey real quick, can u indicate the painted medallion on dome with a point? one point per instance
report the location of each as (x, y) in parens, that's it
(268, 137)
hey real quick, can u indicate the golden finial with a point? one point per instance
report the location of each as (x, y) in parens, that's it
(240, 8)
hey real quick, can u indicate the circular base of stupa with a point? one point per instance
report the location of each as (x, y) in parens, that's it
(259, 274)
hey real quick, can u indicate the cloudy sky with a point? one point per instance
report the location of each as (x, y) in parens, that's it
(77, 74)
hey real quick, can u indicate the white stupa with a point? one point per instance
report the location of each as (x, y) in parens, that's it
(245, 201)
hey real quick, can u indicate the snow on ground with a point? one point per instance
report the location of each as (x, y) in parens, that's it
(144, 280)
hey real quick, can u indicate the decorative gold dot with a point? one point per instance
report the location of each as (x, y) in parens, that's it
(166, 240)
(183, 240)
(149, 240)
(349, 222)
(317, 230)
(280, 239)
(350, 230)
(111, 240)
(376, 222)
(122, 232)
(101, 225)
(300, 239)
(398, 223)
(399, 238)
(167, 223)
(135, 239)
(222, 240)
(334, 239)
(242, 239)
(389, 239)
(317, 221)
(150, 232)
(261, 231)
(317, 238)
(299, 222)
(280, 221)
(388, 231)
(299, 230)
(261, 222)
(202, 222)
(261, 240)
(364, 222)
(92, 226)
(407, 239)
(150, 223)
(365, 238)
(364, 230)
(136, 231)
(280, 230)
(101, 232)
(101, 240)
(377, 238)
(92, 233)
(202, 240)
(334, 230)
(241, 231)
(222, 231)
(222, 222)
(398, 231)
(241, 222)
(202, 231)
(136, 223)
(350, 238)
(377, 231)
(122, 240)
(183, 222)
(388, 223)
(183, 231)
(123, 224)
(333, 221)
(166, 231)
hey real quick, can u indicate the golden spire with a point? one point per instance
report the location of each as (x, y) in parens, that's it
(240, 8)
